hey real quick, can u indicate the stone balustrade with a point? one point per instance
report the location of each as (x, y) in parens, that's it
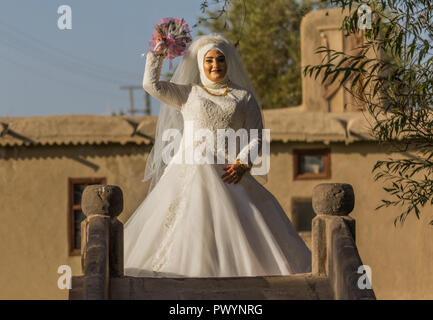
(335, 257)
(101, 240)
(333, 241)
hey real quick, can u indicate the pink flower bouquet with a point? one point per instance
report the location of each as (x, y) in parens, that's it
(175, 37)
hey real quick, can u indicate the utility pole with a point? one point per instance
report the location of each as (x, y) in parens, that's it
(133, 111)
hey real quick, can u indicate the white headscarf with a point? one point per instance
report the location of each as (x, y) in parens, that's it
(200, 56)
(189, 71)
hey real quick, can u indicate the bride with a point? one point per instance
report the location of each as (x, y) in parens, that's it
(208, 219)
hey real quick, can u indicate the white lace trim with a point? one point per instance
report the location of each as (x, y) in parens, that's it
(175, 210)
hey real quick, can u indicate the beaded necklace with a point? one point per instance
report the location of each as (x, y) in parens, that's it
(217, 94)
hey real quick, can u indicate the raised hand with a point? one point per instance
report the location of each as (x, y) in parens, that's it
(162, 46)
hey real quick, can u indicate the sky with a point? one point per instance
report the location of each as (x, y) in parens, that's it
(48, 71)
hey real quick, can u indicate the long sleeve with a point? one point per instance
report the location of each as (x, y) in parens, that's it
(253, 120)
(168, 92)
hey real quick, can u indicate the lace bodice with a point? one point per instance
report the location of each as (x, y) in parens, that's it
(238, 109)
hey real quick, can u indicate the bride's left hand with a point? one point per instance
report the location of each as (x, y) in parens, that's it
(234, 173)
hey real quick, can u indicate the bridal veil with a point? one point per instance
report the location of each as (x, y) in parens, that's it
(187, 72)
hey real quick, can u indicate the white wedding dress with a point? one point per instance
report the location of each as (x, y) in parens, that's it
(192, 223)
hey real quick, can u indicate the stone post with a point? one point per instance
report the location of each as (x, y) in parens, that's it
(330, 201)
(101, 239)
(334, 250)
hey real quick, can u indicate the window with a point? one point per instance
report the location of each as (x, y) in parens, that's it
(302, 217)
(302, 214)
(76, 216)
(311, 164)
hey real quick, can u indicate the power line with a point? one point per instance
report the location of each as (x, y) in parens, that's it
(56, 79)
(85, 62)
(87, 69)
(52, 60)
(35, 71)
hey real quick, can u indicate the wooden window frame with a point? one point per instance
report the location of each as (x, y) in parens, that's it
(71, 207)
(326, 174)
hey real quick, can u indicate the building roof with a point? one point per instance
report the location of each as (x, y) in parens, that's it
(294, 124)
(286, 124)
(75, 129)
